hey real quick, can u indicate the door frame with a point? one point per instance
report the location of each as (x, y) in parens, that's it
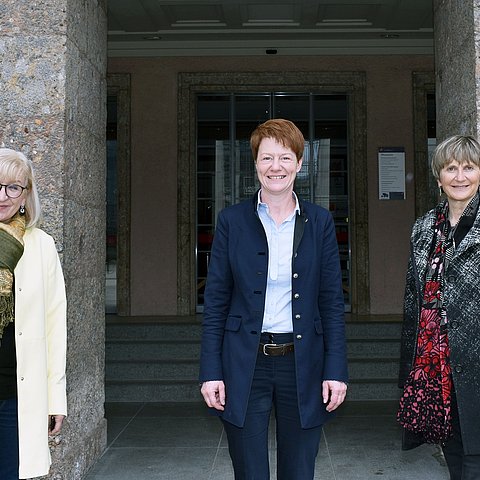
(351, 83)
(426, 195)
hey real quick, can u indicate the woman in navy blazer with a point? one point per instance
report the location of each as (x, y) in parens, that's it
(273, 328)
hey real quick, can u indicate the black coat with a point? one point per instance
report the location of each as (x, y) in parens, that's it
(462, 303)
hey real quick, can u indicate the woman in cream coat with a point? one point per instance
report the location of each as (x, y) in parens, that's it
(32, 327)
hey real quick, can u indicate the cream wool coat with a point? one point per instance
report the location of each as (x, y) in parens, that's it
(40, 337)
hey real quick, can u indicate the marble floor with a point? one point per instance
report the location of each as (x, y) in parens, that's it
(148, 441)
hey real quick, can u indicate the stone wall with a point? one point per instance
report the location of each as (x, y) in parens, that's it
(456, 64)
(476, 40)
(52, 107)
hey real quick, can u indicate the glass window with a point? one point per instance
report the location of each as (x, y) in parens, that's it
(225, 167)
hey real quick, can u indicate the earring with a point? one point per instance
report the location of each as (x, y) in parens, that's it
(440, 190)
(22, 210)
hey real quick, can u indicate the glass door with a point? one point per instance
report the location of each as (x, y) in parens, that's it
(225, 167)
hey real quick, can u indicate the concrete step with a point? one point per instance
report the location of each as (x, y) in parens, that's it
(189, 328)
(170, 349)
(180, 369)
(373, 348)
(364, 368)
(373, 389)
(165, 390)
(186, 328)
(373, 330)
(187, 369)
(151, 349)
(170, 390)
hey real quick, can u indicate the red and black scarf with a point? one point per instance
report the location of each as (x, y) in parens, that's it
(426, 401)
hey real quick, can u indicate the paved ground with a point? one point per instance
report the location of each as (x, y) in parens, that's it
(148, 441)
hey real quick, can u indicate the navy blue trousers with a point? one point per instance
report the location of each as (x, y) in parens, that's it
(8, 440)
(274, 387)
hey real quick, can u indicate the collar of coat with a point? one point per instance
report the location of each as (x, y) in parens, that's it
(422, 236)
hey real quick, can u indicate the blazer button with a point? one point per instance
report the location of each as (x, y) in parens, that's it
(458, 368)
(454, 324)
(297, 295)
(299, 337)
(295, 275)
(298, 316)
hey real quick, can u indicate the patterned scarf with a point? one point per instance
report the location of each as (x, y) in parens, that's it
(11, 250)
(425, 407)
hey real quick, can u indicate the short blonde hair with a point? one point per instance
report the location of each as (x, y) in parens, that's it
(15, 165)
(462, 148)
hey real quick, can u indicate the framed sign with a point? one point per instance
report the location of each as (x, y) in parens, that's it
(391, 173)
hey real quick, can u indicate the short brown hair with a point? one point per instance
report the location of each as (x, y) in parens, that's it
(462, 148)
(283, 131)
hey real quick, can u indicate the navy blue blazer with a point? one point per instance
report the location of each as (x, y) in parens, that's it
(235, 299)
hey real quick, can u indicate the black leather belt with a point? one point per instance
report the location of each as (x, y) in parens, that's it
(275, 349)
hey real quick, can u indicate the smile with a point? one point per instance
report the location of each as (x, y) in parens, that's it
(276, 177)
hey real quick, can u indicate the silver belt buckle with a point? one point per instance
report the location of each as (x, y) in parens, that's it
(268, 345)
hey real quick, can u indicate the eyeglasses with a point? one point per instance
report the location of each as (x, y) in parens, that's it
(12, 190)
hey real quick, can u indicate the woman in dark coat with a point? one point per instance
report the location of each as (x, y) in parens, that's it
(273, 328)
(440, 357)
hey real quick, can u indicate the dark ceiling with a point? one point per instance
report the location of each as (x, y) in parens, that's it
(289, 27)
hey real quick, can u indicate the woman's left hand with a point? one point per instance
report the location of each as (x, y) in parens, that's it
(333, 393)
(55, 424)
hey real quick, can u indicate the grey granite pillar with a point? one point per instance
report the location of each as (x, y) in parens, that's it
(457, 61)
(52, 107)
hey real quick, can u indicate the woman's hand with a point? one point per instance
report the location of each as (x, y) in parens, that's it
(333, 393)
(55, 424)
(214, 394)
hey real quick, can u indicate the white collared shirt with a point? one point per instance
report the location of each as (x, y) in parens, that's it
(277, 315)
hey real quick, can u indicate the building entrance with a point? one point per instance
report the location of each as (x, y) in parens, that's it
(225, 168)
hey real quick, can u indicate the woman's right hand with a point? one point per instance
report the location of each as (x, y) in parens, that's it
(55, 424)
(214, 394)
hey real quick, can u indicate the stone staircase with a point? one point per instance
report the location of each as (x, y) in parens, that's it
(373, 358)
(155, 359)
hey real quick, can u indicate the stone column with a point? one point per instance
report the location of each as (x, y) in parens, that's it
(53, 108)
(457, 29)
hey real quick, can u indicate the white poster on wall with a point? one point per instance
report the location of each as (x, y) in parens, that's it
(391, 173)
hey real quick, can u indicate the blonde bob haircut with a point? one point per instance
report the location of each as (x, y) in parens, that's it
(14, 167)
(283, 131)
(462, 148)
